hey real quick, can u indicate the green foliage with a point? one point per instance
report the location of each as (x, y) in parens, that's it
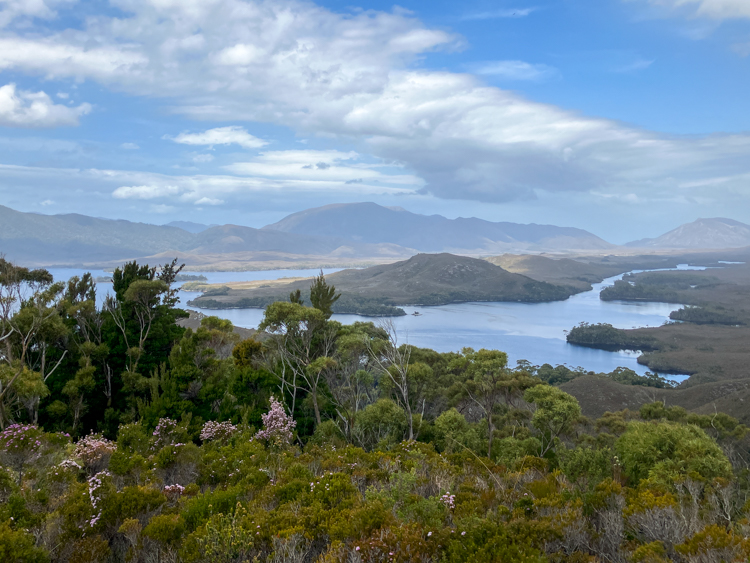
(556, 413)
(666, 452)
(502, 466)
(716, 315)
(18, 546)
(607, 337)
(322, 295)
(453, 433)
(380, 425)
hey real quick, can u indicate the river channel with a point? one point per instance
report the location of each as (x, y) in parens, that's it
(530, 331)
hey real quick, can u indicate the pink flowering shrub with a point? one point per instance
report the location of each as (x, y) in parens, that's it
(221, 431)
(95, 484)
(173, 492)
(94, 451)
(168, 432)
(277, 425)
(449, 500)
(20, 445)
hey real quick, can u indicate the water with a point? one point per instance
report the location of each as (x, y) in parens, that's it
(530, 331)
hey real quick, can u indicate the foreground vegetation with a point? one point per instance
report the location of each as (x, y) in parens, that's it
(127, 438)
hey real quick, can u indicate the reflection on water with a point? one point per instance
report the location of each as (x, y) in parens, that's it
(529, 331)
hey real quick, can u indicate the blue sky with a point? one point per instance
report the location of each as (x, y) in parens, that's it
(624, 117)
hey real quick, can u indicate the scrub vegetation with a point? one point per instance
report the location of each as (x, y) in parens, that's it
(125, 437)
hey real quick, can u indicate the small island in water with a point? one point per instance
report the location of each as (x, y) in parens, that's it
(424, 279)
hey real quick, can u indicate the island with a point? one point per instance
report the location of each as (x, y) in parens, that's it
(424, 279)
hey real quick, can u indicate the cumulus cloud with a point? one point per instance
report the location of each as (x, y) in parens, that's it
(221, 136)
(130, 146)
(19, 108)
(351, 76)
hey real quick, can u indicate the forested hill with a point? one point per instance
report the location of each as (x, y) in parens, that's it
(425, 279)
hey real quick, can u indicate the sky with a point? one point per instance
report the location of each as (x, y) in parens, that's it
(622, 117)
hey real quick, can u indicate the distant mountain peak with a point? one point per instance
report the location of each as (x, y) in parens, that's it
(715, 232)
(373, 223)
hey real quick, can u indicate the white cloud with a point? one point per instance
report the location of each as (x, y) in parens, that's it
(130, 146)
(202, 158)
(713, 9)
(315, 167)
(145, 191)
(209, 201)
(515, 70)
(19, 108)
(47, 202)
(13, 9)
(180, 191)
(70, 56)
(221, 136)
(350, 76)
(495, 14)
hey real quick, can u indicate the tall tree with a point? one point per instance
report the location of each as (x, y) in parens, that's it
(301, 335)
(28, 304)
(486, 380)
(322, 295)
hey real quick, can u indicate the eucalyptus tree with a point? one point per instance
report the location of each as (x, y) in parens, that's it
(301, 338)
(485, 379)
(28, 306)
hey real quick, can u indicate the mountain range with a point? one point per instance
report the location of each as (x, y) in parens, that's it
(333, 235)
(369, 222)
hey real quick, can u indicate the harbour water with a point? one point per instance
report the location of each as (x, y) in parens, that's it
(530, 331)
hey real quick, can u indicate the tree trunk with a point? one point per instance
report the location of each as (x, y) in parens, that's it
(490, 432)
(315, 405)
(410, 421)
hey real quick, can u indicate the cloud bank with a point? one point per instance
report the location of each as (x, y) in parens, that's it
(356, 78)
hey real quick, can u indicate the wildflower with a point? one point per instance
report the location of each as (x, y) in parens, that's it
(217, 431)
(277, 425)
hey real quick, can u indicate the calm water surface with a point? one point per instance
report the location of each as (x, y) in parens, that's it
(529, 331)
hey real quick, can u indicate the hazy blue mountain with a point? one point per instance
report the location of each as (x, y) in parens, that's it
(369, 222)
(32, 238)
(189, 226)
(60, 239)
(234, 238)
(701, 233)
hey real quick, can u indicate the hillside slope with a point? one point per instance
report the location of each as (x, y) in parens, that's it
(425, 279)
(564, 271)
